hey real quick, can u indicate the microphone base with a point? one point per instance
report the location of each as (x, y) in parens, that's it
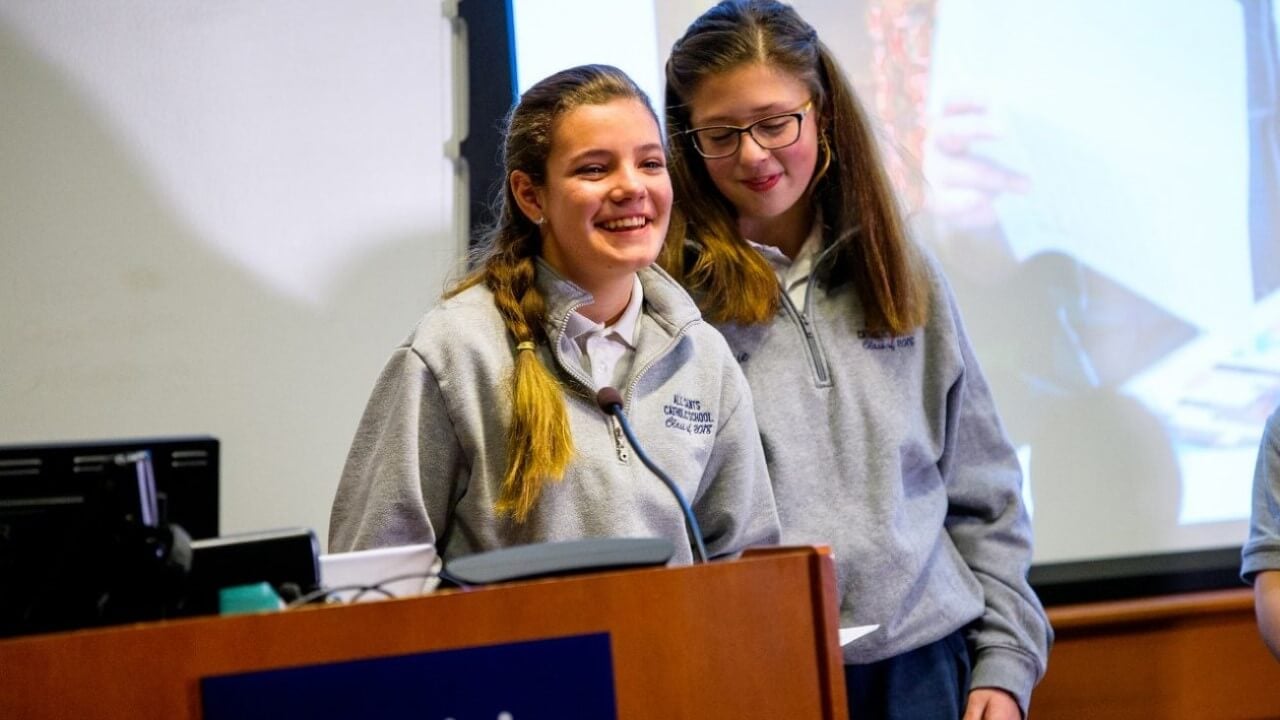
(526, 562)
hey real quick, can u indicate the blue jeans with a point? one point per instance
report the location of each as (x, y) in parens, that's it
(928, 683)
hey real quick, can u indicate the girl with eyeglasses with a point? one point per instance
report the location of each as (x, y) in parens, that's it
(483, 430)
(880, 432)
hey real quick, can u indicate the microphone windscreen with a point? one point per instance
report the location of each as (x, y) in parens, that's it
(608, 397)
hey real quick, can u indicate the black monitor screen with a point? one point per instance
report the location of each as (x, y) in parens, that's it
(64, 505)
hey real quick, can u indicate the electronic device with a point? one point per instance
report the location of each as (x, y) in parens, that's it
(101, 555)
(55, 474)
(380, 573)
(287, 559)
(94, 533)
(610, 401)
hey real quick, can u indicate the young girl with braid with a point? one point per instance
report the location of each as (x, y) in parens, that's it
(881, 434)
(483, 430)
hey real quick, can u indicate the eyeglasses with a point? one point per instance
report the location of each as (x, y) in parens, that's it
(771, 133)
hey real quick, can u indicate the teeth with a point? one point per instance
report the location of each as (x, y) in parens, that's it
(625, 223)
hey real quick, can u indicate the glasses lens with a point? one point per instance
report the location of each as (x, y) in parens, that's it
(776, 132)
(771, 133)
(715, 142)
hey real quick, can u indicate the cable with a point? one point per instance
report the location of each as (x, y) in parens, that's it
(360, 589)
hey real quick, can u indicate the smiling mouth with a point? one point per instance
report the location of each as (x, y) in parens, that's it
(761, 184)
(627, 223)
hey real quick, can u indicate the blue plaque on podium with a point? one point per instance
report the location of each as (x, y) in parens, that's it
(553, 679)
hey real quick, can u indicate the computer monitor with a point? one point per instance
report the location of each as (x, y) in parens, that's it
(55, 474)
(86, 528)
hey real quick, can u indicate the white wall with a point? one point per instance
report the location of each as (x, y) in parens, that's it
(219, 218)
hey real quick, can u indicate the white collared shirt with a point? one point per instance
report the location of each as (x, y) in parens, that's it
(794, 274)
(605, 352)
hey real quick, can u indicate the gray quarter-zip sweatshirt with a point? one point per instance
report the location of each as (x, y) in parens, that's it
(890, 450)
(1262, 550)
(428, 457)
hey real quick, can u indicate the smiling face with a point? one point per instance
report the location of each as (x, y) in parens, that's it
(606, 199)
(769, 188)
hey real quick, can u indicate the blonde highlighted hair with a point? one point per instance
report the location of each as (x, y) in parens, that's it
(860, 213)
(539, 442)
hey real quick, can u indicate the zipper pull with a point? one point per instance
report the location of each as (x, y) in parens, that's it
(619, 443)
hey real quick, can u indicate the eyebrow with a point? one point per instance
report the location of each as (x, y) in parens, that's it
(760, 111)
(594, 152)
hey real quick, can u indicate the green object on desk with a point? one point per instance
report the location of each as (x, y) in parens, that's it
(240, 599)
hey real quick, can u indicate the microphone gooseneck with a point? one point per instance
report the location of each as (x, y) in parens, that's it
(610, 401)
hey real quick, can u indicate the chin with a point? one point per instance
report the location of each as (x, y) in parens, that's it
(655, 250)
(636, 262)
(648, 247)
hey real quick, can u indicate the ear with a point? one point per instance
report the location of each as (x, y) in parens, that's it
(528, 196)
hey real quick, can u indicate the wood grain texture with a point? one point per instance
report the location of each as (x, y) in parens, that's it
(753, 638)
(1189, 656)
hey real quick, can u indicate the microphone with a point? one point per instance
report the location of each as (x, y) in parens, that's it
(610, 401)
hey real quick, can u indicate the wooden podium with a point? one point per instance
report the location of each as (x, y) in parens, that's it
(751, 638)
(1190, 656)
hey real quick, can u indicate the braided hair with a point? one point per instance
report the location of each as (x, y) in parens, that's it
(539, 442)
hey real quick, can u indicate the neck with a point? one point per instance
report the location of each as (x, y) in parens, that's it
(786, 232)
(609, 300)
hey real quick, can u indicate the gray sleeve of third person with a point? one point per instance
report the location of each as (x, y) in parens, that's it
(1262, 549)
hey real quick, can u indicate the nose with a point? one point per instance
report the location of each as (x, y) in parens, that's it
(749, 151)
(629, 185)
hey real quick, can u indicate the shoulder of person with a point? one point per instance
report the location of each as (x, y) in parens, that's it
(1272, 432)
(468, 319)
(471, 305)
(941, 298)
(929, 269)
(710, 344)
(666, 300)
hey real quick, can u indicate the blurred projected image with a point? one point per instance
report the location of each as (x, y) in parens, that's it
(1104, 198)
(1100, 181)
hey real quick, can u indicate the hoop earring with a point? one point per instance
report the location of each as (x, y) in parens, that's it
(824, 153)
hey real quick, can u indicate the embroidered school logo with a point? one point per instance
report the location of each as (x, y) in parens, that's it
(872, 341)
(686, 414)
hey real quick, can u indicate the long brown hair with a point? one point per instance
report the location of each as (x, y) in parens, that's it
(539, 442)
(860, 213)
